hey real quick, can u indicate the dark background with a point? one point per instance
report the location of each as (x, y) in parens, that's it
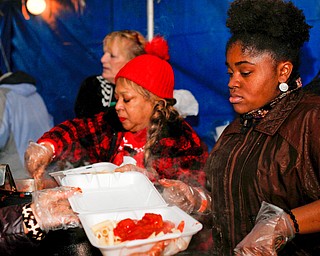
(64, 45)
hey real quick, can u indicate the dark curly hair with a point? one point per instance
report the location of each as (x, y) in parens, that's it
(273, 26)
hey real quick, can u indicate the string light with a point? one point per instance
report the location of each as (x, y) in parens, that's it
(36, 7)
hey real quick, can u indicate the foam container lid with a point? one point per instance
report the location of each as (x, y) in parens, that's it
(116, 191)
(101, 167)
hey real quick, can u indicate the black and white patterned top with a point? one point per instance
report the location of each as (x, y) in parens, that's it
(95, 95)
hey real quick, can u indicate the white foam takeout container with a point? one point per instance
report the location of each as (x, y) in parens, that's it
(116, 196)
(179, 241)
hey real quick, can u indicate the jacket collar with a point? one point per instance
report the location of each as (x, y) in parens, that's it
(274, 119)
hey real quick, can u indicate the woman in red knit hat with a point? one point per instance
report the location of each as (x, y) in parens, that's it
(144, 125)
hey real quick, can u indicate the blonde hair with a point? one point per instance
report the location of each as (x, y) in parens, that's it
(163, 112)
(135, 42)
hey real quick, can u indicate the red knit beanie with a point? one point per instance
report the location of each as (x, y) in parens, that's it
(151, 72)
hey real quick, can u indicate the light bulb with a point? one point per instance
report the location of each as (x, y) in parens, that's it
(36, 7)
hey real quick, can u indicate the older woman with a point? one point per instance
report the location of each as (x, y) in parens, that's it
(144, 125)
(268, 158)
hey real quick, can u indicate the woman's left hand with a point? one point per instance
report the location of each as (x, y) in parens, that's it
(272, 231)
(151, 174)
(178, 193)
(52, 209)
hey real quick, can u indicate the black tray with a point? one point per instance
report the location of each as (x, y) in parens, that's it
(12, 198)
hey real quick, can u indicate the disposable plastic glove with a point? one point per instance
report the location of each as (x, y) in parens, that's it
(151, 174)
(52, 209)
(187, 198)
(37, 157)
(273, 229)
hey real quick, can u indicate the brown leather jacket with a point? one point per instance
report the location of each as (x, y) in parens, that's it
(277, 161)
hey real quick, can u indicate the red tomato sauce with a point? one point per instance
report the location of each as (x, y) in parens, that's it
(129, 229)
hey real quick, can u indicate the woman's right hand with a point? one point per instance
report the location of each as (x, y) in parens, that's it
(37, 157)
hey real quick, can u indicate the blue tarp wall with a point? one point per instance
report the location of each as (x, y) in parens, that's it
(64, 45)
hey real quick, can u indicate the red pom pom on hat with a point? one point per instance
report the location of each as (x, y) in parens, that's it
(158, 46)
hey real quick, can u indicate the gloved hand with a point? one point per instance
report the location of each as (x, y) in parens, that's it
(37, 157)
(151, 174)
(187, 198)
(273, 229)
(52, 210)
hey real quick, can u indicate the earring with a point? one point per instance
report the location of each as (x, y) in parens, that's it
(283, 87)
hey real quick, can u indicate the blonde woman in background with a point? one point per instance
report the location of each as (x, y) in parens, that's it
(96, 93)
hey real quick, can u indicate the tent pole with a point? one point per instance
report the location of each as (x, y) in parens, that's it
(150, 19)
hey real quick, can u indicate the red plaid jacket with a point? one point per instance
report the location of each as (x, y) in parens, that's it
(179, 154)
